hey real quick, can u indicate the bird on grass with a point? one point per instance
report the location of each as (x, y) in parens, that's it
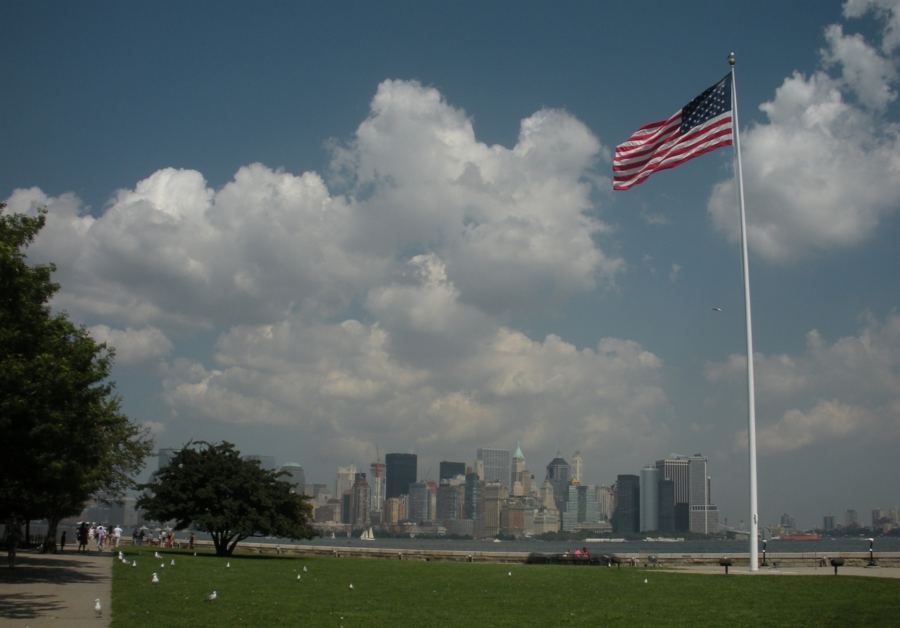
(645, 581)
(211, 597)
(97, 608)
(304, 569)
(351, 587)
(162, 565)
(173, 562)
(228, 565)
(154, 579)
(157, 555)
(134, 564)
(509, 574)
(298, 577)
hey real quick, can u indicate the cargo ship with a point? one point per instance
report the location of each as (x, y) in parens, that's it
(800, 536)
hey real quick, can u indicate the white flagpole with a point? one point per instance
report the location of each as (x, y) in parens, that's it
(751, 401)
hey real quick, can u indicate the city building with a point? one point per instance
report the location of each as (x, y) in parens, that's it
(394, 511)
(675, 469)
(828, 523)
(851, 519)
(164, 457)
(293, 474)
(517, 480)
(494, 495)
(474, 487)
(378, 471)
(577, 468)
(450, 470)
(496, 464)
(666, 506)
(704, 515)
(605, 502)
(450, 499)
(788, 522)
(650, 498)
(419, 502)
(545, 521)
(581, 506)
(402, 470)
(559, 475)
(360, 498)
(344, 480)
(627, 519)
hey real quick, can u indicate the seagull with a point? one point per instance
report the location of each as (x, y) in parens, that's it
(304, 569)
(157, 555)
(211, 597)
(195, 553)
(351, 587)
(717, 309)
(645, 581)
(97, 608)
(228, 566)
(509, 574)
(173, 562)
(154, 580)
(298, 577)
(162, 565)
(134, 564)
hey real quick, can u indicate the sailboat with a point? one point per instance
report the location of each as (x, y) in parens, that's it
(368, 535)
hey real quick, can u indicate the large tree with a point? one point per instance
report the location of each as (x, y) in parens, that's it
(63, 436)
(213, 489)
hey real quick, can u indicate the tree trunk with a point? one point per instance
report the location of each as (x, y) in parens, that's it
(49, 545)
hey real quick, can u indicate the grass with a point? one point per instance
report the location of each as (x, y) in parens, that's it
(264, 591)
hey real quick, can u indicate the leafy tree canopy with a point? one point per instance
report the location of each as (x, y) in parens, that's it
(63, 437)
(213, 489)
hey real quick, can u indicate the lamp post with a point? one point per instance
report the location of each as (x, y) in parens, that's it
(764, 563)
(871, 554)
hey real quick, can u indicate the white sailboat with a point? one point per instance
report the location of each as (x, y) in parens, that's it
(368, 535)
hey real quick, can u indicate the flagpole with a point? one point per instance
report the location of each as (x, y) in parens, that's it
(751, 401)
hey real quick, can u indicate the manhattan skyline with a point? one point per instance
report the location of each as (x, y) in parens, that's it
(315, 230)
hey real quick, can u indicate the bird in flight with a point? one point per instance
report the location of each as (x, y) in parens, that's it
(717, 309)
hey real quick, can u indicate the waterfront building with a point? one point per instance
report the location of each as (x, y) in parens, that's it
(546, 520)
(704, 515)
(344, 480)
(788, 522)
(450, 470)
(419, 502)
(605, 502)
(577, 468)
(494, 494)
(559, 475)
(627, 519)
(675, 468)
(851, 519)
(474, 487)
(359, 502)
(401, 470)
(666, 506)
(496, 464)
(450, 499)
(649, 498)
(378, 471)
(581, 506)
(294, 475)
(828, 523)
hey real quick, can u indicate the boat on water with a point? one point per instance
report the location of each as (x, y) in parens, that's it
(368, 535)
(800, 536)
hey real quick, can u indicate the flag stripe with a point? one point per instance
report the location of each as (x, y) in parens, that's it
(701, 126)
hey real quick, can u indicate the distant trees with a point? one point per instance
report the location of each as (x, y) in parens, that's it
(213, 489)
(63, 437)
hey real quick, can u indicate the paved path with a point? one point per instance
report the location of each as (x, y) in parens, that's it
(869, 572)
(55, 590)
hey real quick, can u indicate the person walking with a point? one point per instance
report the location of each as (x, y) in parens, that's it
(140, 537)
(62, 542)
(101, 533)
(117, 534)
(82, 537)
(13, 538)
(193, 538)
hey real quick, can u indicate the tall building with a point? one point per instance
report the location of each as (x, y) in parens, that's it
(666, 506)
(627, 519)
(496, 464)
(402, 470)
(449, 470)
(377, 485)
(294, 474)
(559, 475)
(704, 515)
(474, 487)
(359, 502)
(343, 482)
(581, 506)
(605, 502)
(494, 494)
(649, 498)
(517, 478)
(876, 516)
(851, 518)
(450, 499)
(419, 502)
(265, 462)
(828, 523)
(675, 468)
(788, 522)
(577, 468)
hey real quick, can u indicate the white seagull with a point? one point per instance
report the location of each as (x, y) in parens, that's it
(304, 569)
(154, 580)
(717, 309)
(509, 574)
(298, 576)
(211, 597)
(228, 565)
(97, 608)
(162, 565)
(351, 587)
(157, 555)
(173, 562)
(134, 564)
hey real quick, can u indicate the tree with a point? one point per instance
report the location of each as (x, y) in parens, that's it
(63, 437)
(213, 489)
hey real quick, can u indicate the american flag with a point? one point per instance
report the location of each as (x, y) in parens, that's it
(704, 124)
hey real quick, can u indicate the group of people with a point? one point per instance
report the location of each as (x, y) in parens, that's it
(96, 533)
(580, 554)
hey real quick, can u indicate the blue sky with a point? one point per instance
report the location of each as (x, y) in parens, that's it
(314, 228)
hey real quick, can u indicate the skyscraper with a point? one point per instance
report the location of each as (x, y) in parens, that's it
(378, 472)
(558, 474)
(473, 502)
(293, 474)
(704, 516)
(649, 498)
(577, 468)
(265, 462)
(449, 470)
(359, 502)
(581, 506)
(344, 480)
(666, 506)
(419, 501)
(402, 470)
(627, 519)
(675, 468)
(496, 464)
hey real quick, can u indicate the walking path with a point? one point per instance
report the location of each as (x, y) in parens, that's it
(869, 572)
(56, 590)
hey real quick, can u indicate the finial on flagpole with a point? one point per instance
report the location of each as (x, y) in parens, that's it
(731, 59)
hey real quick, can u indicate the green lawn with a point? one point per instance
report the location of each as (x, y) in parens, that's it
(264, 591)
